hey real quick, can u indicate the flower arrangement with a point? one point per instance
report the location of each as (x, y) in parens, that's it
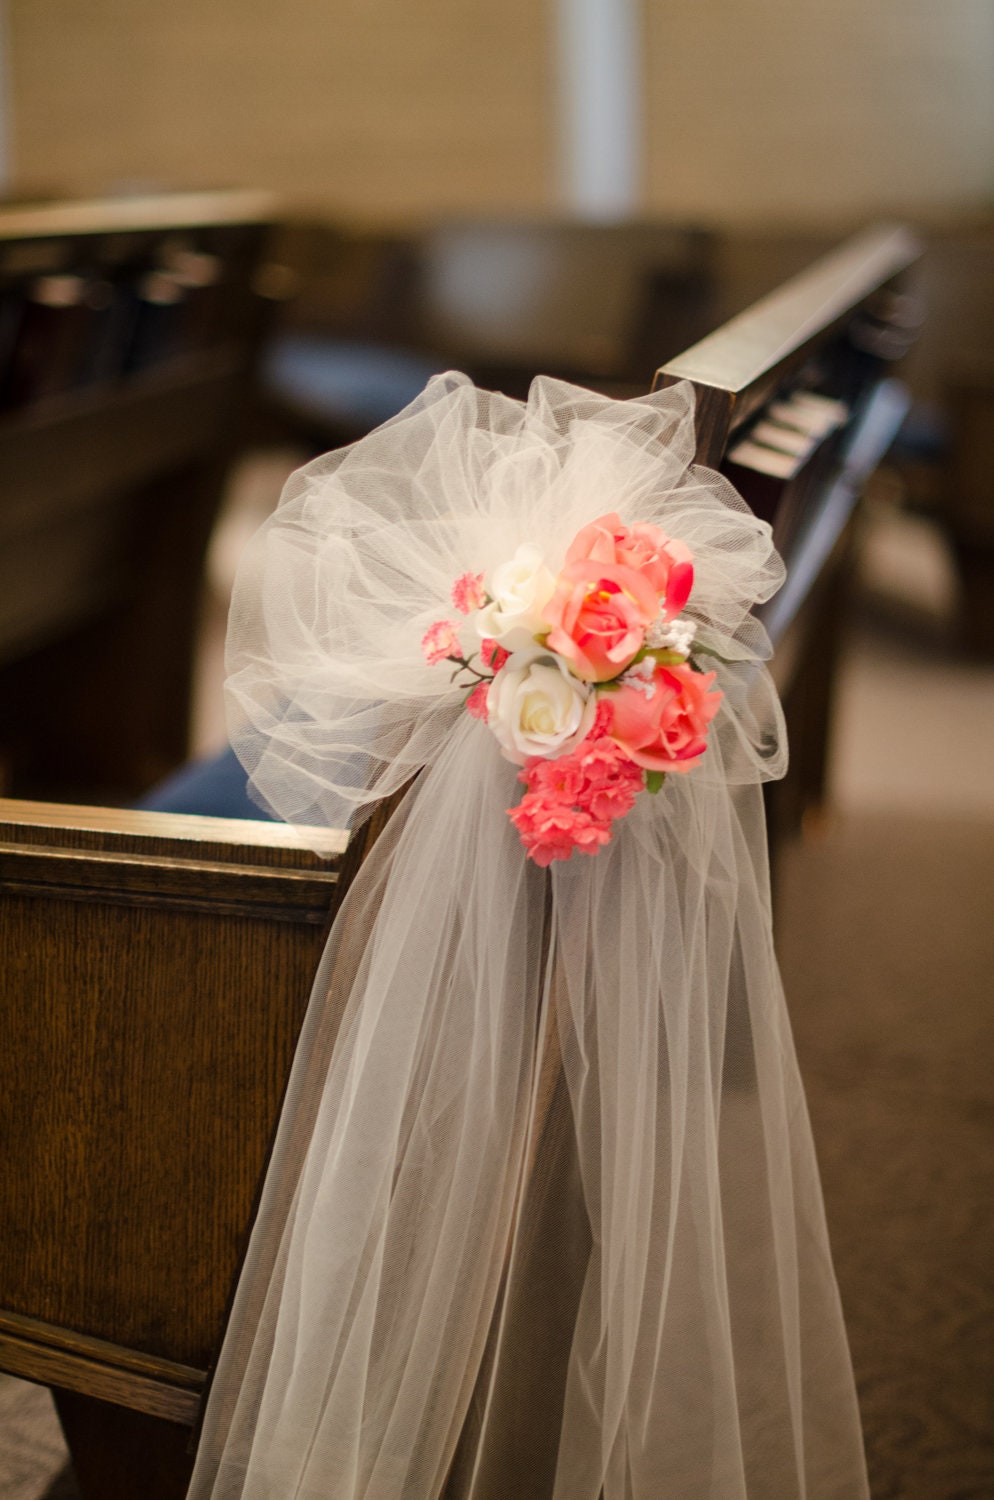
(584, 677)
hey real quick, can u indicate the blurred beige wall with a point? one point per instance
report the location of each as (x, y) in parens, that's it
(818, 109)
(391, 109)
(377, 108)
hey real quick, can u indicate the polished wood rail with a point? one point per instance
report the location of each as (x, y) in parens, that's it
(737, 369)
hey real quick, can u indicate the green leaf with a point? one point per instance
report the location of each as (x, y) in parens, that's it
(654, 780)
(700, 650)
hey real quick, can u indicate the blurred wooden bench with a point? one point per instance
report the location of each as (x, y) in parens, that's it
(797, 405)
(156, 968)
(128, 334)
(503, 299)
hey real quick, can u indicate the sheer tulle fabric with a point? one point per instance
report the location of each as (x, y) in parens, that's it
(543, 1218)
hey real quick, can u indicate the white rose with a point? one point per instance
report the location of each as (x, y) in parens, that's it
(519, 590)
(536, 707)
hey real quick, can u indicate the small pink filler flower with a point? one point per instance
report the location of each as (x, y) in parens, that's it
(440, 642)
(468, 593)
(492, 655)
(476, 703)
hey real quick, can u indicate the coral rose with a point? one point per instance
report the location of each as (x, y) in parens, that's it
(598, 617)
(667, 565)
(665, 729)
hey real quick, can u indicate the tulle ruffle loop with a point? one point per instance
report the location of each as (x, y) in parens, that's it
(331, 703)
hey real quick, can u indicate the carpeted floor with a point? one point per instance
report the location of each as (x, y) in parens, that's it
(887, 945)
(886, 935)
(33, 1456)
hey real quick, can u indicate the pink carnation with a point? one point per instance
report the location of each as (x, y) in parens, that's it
(561, 777)
(476, 703)
(468, 593)
(603, 719)
(572, 800)
(492, 655)
(613, 779)
(440, 642)
(552, 829)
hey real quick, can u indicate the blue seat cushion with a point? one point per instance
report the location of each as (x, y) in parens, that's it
(342, 383)
(214, 787)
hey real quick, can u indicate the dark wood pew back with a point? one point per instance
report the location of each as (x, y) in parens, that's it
(156, 970)
(796, 403)
(128, 332)
(130, 941)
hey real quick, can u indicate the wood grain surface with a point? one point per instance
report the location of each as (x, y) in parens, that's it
(153, 990)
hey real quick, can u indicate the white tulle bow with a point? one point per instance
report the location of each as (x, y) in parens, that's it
(332, 703)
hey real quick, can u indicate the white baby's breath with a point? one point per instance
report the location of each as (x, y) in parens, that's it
(671, 635)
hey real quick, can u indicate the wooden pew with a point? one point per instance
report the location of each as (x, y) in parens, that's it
(832, 332)
(156, 968)
(967, 497)
(128, 333)
(155, 974)
(500, 298)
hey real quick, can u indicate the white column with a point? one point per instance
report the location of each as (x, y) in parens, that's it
(4, 99)
(600, 107)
